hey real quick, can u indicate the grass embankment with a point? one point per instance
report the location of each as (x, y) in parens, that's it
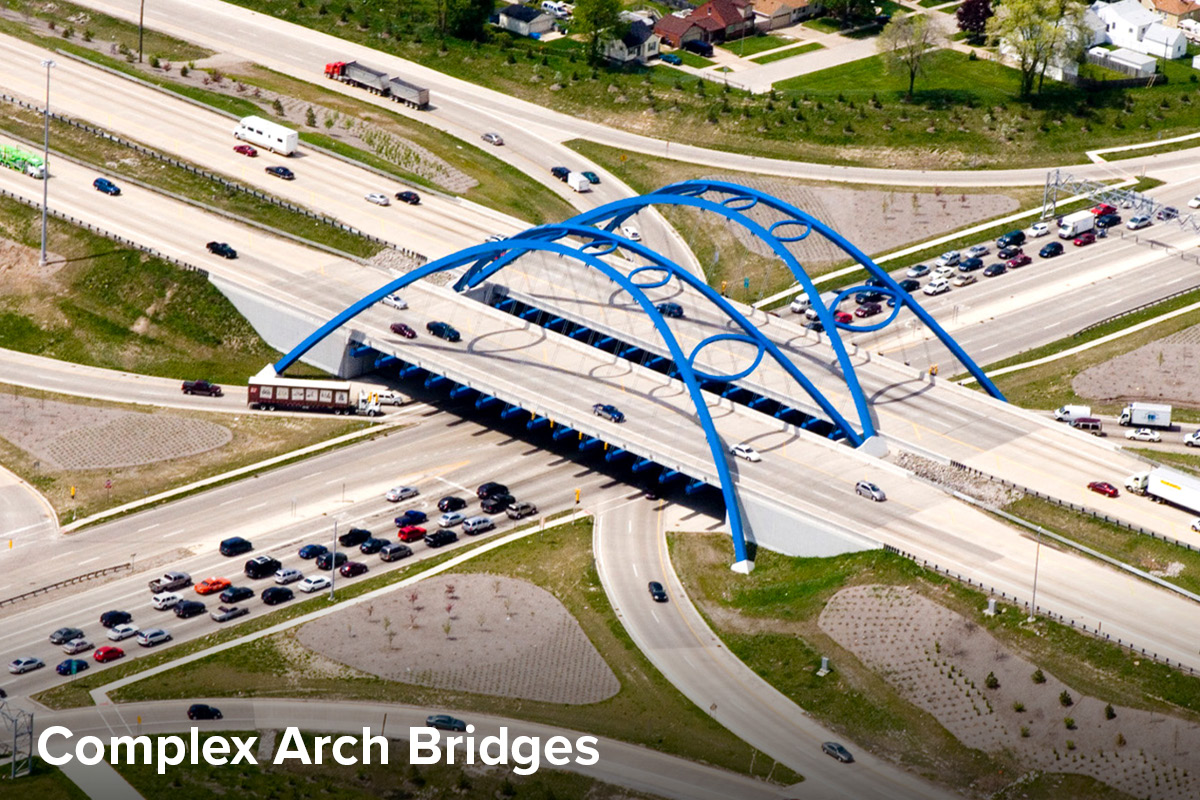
(791, 51)
(647, 710)
(45, 783)
(750, 45)
(1188, 462)
(769, 620)
(73, 22)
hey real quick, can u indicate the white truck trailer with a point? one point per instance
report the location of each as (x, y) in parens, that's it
(1167, 486)
(578, 182)
(1146, 415)
(1074, 224)
(267, 134)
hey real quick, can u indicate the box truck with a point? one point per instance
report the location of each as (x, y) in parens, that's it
(267, 134)
(1069, 414)
(1167, 486)
(1074, 224)
(579, 183)
(1146, 415)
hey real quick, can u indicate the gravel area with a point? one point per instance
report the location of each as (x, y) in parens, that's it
(1163, 371)
(981, 489)
(940, 661)
(473, 633)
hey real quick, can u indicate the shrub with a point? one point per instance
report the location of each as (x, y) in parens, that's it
(991, 681)
(1024, 731)
(277, 107)
(1069, 722)
(1120, 740)
(1038, 676)
(972, 56)
(1109, 713)
(87, 34)
(1065, 699)
(1070, 744)
(310, 117)
(183, 71)
(154, 62)
(1018, 706)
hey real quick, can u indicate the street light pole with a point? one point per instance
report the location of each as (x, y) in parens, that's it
(333, 561)
(1037, 559)
(141, 17)
(48, 65)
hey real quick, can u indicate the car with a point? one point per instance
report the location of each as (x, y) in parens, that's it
(609, 412)
(1144, 435)
(869, 297)
(1020, 261)
(401, 493)
(212, 585)
(1039, 229)
(411, 517)
(1051, 249)
(868, 310)
(19, 666)
(314, 583)
(1011, 239)
(281, 172)
(395, 552)
(1192, 439)
(64, 635)
(948, 259)
(108, 653)
(964, 280)
(77, 646)
(395, 301)
(354, 537)
(274, 595)
(162, 602)
(445, 722)
(1103, 487)
(189, 608)
(1138, 222)
(451, 503)
(493, 138)
(410, 533)
(286, 575)
(378, 198)
(261, 567)
(118, 633)
(373, 545)
(745, 451)
(450, 519)
(111, 618)
(1084, 239)
(236, 594)
(245, 150)
(909, 285)
(153, 637)
(657, 592)
(1005, 253)
(106, 186)
(352, 569)
(411, 198)
(945, 273)
(917, 271)
(1102, 209)
(592, 177)
(1167, 213)
(631, 233)
(441, 538)
(842, 317)
(497, 503)
(1194, 202)
(443, 330)
(221, 249)
(994, 270)
(72, 666)
(870, 491)
(226, 613)
(938, 286)
(837, 751)
(477, 525)
(970, 264)
(311, 551)
(560, 172)
(815, 325)
(1108, 220)
(1196, 524)
(672, 310)
(484, 491)
(521, 510)
(975, 251)
(235, 546)
(699, 47)
(403, 330)
(671, 58)
(390, 397)
(201, 711)
(329, 561)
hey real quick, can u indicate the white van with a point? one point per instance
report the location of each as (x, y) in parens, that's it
(1069, 414)
(801, 302)
(478, 525)
(556, 9)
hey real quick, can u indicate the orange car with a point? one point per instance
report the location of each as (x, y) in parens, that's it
(212, 585)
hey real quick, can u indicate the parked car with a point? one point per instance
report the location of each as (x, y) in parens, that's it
(673, 310)
(1103, 487)
(235, 546)
(353, 569)
(917, 271)
(245, 150)
(521, 510)
(108, 653)
(372, 546)
(994, 270)
(76, 646)
(1138, 222)
(409, 197)
(236, 594)
(72, 666)
(286, 575)
(19, 666)
(330, 561)
(212, 585)
(441, 538)
(274, 595)
(281, 172)
(1108, 220)
(868, 310)
(111, 618)
(64, 635)
(445, 722)
(745, 451)
(870, 491)
(443, 330)
(948, 259)
(401, 493)
(671, 58)
(314, 583)
(153, 637)
(837, 751)
(354, 537)
(201, 711)
(657, 593)
(699, 48)
(1051, 249)
(186, 609)
(560, 172)
(609, 412)
(493, 138)
(105, 186)
(451, 503)
(120, 632)
(221, 249)
(1020, 261)
(378, 198)
(1084, 239)
(403, 330)
(1039, 229)
(310, 551)
(1144, 435)
(227, 613)
(395, 301)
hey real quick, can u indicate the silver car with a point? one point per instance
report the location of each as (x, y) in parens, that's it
(450, 519)
(27, 663)
(401, 493)
(77, 646)
(152, 637)
(286, 575)
(493, 138)
(870, 491)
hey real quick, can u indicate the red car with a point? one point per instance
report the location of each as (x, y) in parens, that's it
(403, 330)
(1085, 238)
(106, 654)
(352, 568)
(1103, 487)
(410, 533)
(868, 310)
(1104, 208)
(842, 317)
(245, 150)
(212, 585)
(1020, 261)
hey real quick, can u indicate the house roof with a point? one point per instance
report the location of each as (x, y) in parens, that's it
(1129, 11)
(522, 13)
(672, 25)
(709, 23)
(726, 12)
(1131, 57)
(770, 8)
(1175, 7)
(638, 33)
(1162, 34)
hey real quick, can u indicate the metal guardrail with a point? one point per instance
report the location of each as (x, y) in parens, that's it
(87, 576)
(1038, 610)
(1135, 309)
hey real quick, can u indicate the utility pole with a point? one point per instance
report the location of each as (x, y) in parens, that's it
(1037, 558)
(141, 19)
(333, 561)
(48, 64)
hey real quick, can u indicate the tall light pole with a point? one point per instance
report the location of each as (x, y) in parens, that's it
(48, 64)
(141, 18)
(1037, 558)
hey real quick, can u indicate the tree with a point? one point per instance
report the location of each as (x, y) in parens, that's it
(1037, 34)
(972, 17)
(600, 22)
(906, 44)
(468, 18)
(846, 10)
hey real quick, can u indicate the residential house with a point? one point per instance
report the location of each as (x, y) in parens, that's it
(772, 14)
(723, 20)
(1127, 24)
(1174, 11)
(525, 20)
(638, 45)
(675, 30)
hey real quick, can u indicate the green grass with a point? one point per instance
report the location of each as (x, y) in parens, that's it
(647, 710)
(791, 51)
(750, 45)
(1155, 150)
(1188, 462)
(824, 24)
(931, 3)
(103, 28)
(45, 783)
(693, 60)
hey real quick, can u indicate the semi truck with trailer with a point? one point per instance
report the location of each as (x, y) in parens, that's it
(1074, 224)
(266, 134)
(1167, 486)
(268, 391)
(377, 82)
(23, 161)
(1146, 415)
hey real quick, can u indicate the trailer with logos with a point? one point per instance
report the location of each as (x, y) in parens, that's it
(268, 391)
(1146, 415)
(1167, 486)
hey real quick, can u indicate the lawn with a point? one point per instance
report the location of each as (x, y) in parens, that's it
(791, 51)
(45, 783)
(104, 28)
(693, 60)
(750, 45)
(824, 24)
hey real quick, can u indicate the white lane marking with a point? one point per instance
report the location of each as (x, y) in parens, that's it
(315, 474)
(1052, 325)
(231, 500)
(656, 619)
(335, 480)
(148, 527)
(635, 572)
(89, 560)
(989, 347)
(172, 533)
(260, 505)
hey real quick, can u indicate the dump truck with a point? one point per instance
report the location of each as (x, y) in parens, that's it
(377, 82)
(408, 93)
(21, 160)
(1167, 486)
(1146, 415)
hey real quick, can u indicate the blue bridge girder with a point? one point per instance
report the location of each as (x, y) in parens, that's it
(485, 401)
(642, 464)
(535, 423)
(668, 475)
(758, 401)
(589, 443)
(627, 351)
(434, 381)
(410, 371)
(384, 361)
(603, 343)
(460, 391)
(654, 361)
(580, 332)
(511, 411)
(615, 453)
(694, 487)
(506, 303)
(359, 350)
(562, 432)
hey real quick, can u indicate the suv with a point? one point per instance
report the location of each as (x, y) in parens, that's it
(221, 249)
(608, 412)
(443, 330)
(488, 489)
(328, 561)
(521, 510)
(478, 525)
(497, 503)
(395, 552)
(261, 567)
(560, 172)
(1011, 239)
(106, 186)
(110, 618)
(235, 594)
(235, 546)
(699, 48)
(870, 491)
(274, 595)
(441, 538)
(353, 538)
(189, 608)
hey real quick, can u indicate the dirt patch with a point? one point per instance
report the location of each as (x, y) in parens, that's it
(475, 633)
(956, 480)
(1162, 370)
(940, 662)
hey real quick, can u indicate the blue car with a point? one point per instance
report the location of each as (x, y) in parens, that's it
(670, 310)
(608, 412)
(313, 550)
(72, 666)
(411, 517)
(671, 58)
(106, 186)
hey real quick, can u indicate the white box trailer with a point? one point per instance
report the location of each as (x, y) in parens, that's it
(1167, 486)
(1146, 415)
(578, 182)
(1074, 224)
(267, 134)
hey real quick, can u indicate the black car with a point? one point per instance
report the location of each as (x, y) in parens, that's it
(994, 270)
(1108, 220)
(236, 594)
(328, 561)
(373, 545)
(111, 618)
(451, 503)
(497, 503)
(1051, 250)
(236, 546)
(910, 285)
(657, 592)
(815, 325)
(64, 635)
(443, 330)
(1006, 253)
(274, 595)
(486, 490)
(262, 567)
(440, 538)
(353, 538)
(189, 608)
(412, 198)
(221, 249)
(201, 711)
(281, 172)
(837, 751)
(1167, 213)
(970, 265)
(673, 310)
(1011, 239)
(878, 283)
(869, 297)
(560, 172)
(310, 551)
(699, 48)
(445, 722)
(411, 517)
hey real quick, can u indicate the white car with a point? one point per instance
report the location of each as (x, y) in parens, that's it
(944, 272)
(395, 301)
(153, 637)
(978, 251)
(937, 286)
(917, 271)
(1192, 439)
(22, 665)
(286, 575)
(1194, 202)
(401, 493)
(393, 398)
(77, 646)
(745, 451)
(314, 583)
(1144, 435)
(1138, 222)
(631, 233)
(450, 519)
(965, 279)
(119, 632)
(948, 259)
(1039, 229)
(378, 199)
(164, 601)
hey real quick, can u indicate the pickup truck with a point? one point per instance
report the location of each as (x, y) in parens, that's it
(170, 582)
(201, 387)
